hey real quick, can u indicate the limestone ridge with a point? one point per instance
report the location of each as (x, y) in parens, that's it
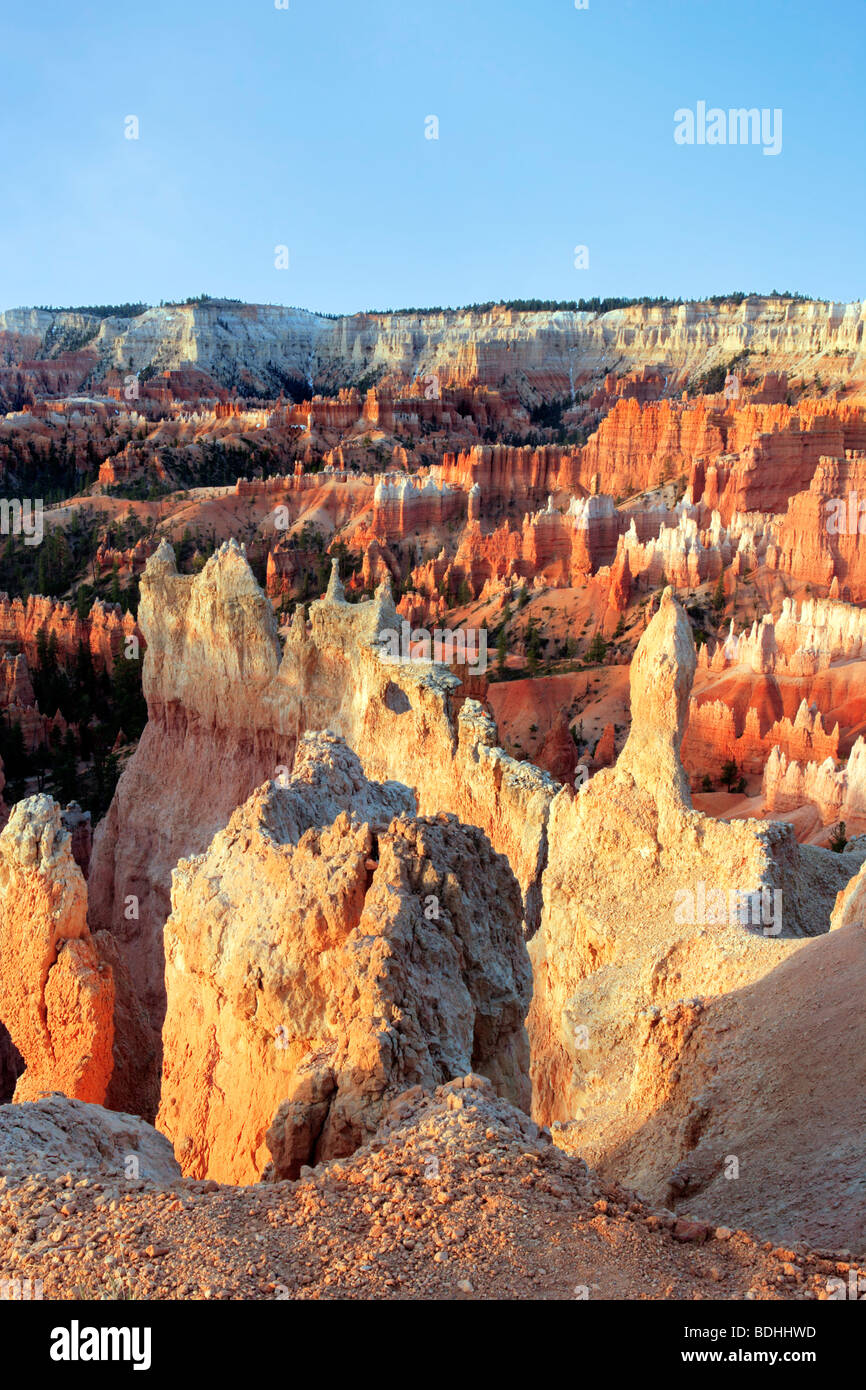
(269, 342)
(328, 951)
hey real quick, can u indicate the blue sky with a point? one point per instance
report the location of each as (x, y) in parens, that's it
(305, 127)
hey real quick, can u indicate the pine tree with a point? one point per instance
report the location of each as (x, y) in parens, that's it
(730, 773)
(501, 648)
(839, 838)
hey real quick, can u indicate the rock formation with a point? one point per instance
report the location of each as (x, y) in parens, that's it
(56, 996)
(650, 910)
(819, 536)
(850, 909)
(103, 632)
(837, 793)
(558, 754)
(329, 950)
(552, 349)
(226, 709)
(59, 1135)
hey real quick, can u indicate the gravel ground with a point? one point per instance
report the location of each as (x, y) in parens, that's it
(458, 1197)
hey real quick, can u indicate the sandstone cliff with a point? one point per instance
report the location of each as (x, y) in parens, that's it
(226, 709)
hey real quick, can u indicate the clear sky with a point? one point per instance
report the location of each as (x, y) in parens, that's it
(305, 127)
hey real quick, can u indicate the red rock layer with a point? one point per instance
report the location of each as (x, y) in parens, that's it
(822, 535)
(103, 630)
(714, 735)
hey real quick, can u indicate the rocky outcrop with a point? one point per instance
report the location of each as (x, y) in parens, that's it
(58, 1135)
(756, 1099)
(212, 652)
(329, 950)
(838, 793)
(402, 505)
(713, 738)
(16, 687)
(650, 910)
(56, 996)
(605, 749)
(226, 709)
(558, 753)
(819, 536)
(795, 685)
(850, 908)
(637, 447)
(507, 475)
(553, 546)
(77, 822)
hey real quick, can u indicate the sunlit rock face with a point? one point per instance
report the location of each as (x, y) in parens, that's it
(56, 994)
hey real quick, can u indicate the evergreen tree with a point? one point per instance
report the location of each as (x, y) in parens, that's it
(533, 647)
(83, 600)
(839, 838)
(129, 708)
